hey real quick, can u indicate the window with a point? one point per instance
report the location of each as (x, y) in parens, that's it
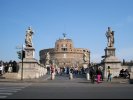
(64, 47)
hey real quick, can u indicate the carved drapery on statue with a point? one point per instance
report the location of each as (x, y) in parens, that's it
(110, 37)
(28, 39)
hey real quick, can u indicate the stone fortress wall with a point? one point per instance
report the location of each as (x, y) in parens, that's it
(64, 54)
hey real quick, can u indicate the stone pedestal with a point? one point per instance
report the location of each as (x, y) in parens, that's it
(29, 53)
(70, 76)
(109, 51)
(112, 61)
(31, 67)
(30, 70)
(87, 76)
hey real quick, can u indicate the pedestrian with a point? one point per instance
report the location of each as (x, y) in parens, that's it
(1, 69)
(92, 74)
(109, 74)
(102, 72)
(98, 75)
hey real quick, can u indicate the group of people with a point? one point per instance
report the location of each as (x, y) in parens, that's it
(8, 67)
(96, 74)
(67, 70)
(124, 73)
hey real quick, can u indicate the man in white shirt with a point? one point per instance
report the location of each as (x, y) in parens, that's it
(1, 69)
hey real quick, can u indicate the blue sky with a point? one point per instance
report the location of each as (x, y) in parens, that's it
(84, 21)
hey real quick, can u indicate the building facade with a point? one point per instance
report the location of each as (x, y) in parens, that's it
(64, 54)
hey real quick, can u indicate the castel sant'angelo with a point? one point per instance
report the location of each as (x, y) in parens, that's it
(65, 55)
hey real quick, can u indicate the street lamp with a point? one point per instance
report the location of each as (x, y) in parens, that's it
(21, 55)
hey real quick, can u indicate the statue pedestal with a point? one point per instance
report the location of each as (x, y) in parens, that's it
(109, 51)
(112, 61)
(29, 56)
(31, 67)
(29, 52)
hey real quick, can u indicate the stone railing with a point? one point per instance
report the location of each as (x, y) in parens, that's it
(30, 71)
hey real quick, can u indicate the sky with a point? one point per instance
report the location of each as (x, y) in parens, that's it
(84, 21)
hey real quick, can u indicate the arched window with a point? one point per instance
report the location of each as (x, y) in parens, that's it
(64, 48)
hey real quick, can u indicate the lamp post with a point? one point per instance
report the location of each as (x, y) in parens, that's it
(22, 65)
(21, 55)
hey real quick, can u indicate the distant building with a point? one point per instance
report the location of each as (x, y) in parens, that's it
(64, 54)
